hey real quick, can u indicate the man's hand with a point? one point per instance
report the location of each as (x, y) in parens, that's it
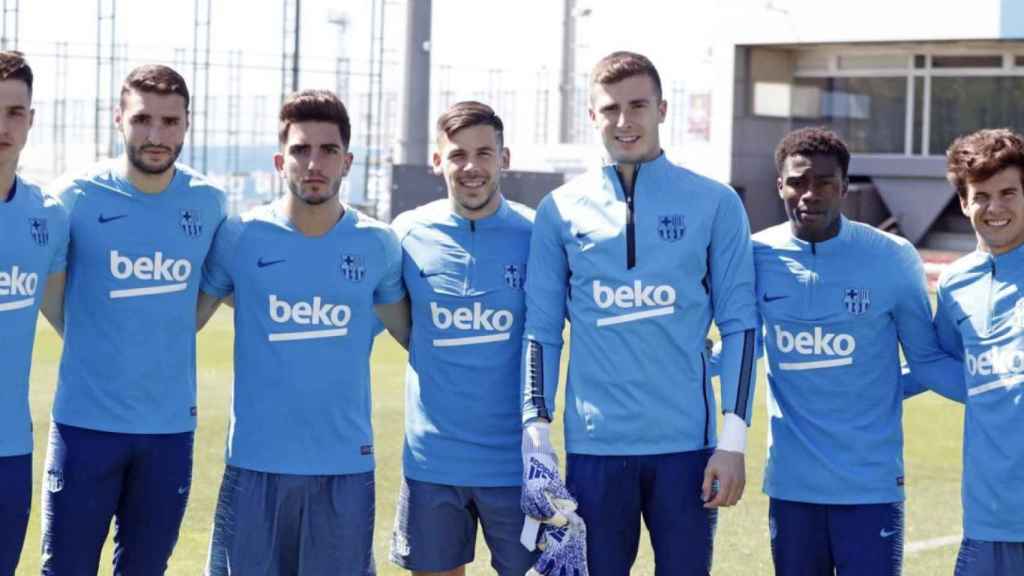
(564, 549)
(544, 494)
(724, 479)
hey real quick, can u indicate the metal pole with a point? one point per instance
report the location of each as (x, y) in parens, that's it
(295, 51)
(416, 101)
(567, 87)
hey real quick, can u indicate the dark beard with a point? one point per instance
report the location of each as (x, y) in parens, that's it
(135, 157)
(296, 190)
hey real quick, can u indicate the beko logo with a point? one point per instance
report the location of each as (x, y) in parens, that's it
(477, 318)
(1006, 363)
(334, 319)
(654, 300)
(18, 283)
(171, 273)
(838, 347)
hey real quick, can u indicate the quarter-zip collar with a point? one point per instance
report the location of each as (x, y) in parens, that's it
(628, 195)
(494, 219)
(653, 166)
(830, 246)
(1014, 259)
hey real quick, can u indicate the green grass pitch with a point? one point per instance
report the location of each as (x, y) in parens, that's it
(932, 454)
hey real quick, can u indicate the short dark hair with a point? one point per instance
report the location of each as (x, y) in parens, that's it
(466, 114)
(620, 65)
(14, 67)
(980, 155)
(155, 78)
(815, 141)
(313, 106)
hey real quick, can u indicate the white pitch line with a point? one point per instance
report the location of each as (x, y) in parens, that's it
(932, 543)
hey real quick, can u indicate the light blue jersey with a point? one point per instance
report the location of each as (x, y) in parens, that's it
(465, 280)
(980, 318)
(304, 329)
(640, 273)
(33, 245)
(134, 264)
(835, 313)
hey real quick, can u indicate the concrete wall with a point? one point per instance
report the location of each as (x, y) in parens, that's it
(813, 21)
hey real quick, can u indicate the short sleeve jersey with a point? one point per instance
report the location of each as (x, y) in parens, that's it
(134, 266)
(304, 330)
(33, 245)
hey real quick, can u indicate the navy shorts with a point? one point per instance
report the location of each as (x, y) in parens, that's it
(435, 527)
(842, 539)
(290, 525)
(985, 558)
(665, 489)
(15, 505)
(142, 481)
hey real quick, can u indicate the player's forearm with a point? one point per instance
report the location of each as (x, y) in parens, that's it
(944, 376)
(52, 306)
(396, 319)
(205, 307)
(540, 365)
(738, 373)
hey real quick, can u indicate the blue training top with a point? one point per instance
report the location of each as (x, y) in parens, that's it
(980, 319)
(134, 264)
(465, 280)
(640, 273)
(304, 329)
(835, 313)
(33, 245)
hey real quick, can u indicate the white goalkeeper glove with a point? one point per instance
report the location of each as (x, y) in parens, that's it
(564, 549)
(544, 495)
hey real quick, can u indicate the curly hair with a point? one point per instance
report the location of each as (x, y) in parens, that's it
(980, 155)
(817, 141)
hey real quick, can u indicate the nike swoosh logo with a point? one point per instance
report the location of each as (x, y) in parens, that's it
(768, 298)
(961, 320)
(886, 533)
(264, 263)
(104, 219)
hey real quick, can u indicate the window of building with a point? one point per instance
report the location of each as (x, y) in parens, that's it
(870, 113)
(898, 103)
(988, 61)
(963, 104)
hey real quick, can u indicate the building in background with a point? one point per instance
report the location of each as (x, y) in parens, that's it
(898, 80)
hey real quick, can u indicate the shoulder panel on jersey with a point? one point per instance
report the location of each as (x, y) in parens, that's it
(583, 185)
(521, 212)
(422, 215)
(772, 237)
(963, 265)
(686, 177)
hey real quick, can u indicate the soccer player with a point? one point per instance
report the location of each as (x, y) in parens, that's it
(125, 409)
(980, 318)
(464, 265)
(837, 299)
(307, 274)
(641, 255)
(34, 233)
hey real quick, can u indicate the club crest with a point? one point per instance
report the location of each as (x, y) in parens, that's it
(352, 267)
(191, 223)
(514, 276)
(38, 230)
(671, 227)
(857, 301)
